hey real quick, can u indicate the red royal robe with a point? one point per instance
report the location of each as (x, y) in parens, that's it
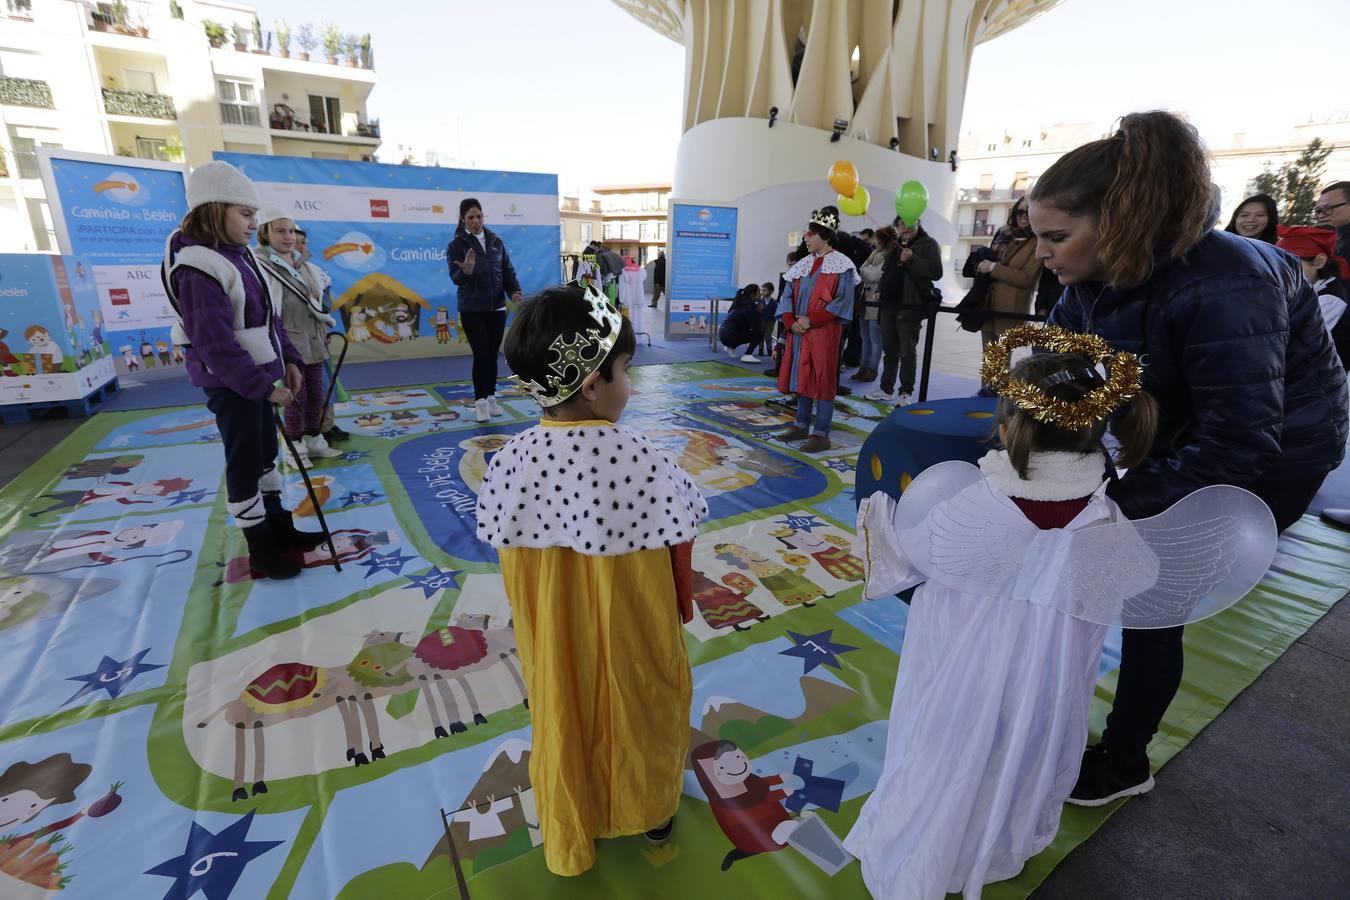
(818, 348)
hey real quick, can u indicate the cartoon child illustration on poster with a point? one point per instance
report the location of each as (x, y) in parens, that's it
(749, 809)
(26, 791)
(128, 358)
(162, 348)
(47, 357)
(443, 324)
(147, 352)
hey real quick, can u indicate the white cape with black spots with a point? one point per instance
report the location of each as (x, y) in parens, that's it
(600, 490)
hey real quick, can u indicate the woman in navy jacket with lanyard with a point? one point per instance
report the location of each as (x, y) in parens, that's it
(482, 271)
(1249, 389)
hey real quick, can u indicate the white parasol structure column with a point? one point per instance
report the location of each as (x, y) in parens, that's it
(768, 83)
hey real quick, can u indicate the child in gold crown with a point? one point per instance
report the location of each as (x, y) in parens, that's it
(595, 527)
(1024, 563)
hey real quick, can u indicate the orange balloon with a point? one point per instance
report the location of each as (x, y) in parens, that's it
(844, 177)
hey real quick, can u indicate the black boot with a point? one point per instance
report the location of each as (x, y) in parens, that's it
(264, 555)
(283, 527)
(286, 535)
(335, 434)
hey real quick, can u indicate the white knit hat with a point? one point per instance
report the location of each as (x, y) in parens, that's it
(271, 214)
(220, 182)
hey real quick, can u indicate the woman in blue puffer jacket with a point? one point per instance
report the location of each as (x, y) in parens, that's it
(481, 269)
(1249, 388)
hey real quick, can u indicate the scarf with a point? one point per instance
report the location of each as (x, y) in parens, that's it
(1007, 241)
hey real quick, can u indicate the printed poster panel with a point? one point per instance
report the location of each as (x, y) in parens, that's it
(702, 265)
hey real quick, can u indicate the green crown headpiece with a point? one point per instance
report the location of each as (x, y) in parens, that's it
(574, 360)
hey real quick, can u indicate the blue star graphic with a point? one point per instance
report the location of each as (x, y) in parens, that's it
(393, 561)
(356, 497)
(840, 465)
(801, 523)
(188, 497)
(354, 455)
(212, 863)
(207, 438)
(816, 649)
(435, 579)
(112, 676)
(391, 432)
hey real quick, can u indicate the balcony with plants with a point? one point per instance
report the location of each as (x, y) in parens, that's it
(140, 104)
(126, 17)
(321, 124)
(301, 44)
(25, 92)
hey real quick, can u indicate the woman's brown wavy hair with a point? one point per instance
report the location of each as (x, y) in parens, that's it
(1148, 186)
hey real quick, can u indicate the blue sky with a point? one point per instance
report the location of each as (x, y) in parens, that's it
(580, 88)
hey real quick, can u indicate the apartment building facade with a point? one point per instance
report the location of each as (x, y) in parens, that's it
(172, 81)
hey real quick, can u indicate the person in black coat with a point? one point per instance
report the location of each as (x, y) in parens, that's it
(742, 326)
(658, 276)
(907, 276)
(1249, 389)
(482, 272)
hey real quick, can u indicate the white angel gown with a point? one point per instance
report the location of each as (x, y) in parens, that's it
(988, 722)
(990, 712)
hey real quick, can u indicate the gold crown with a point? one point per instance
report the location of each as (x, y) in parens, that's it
(577, 358)
(825, 219)
(1120, 387)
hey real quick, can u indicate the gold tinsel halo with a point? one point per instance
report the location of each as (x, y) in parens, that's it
(1120, 387)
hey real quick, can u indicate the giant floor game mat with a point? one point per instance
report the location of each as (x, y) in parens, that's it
(390, 757)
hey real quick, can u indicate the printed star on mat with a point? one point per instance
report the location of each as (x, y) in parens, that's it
(393, 561)
(816, 649)
(801, 523)
(212, 863)
(391, 432)
(354, 455)
(356, 497)
(207, 438)
(435, 579)
(112, 676)
(188, 497)
(840, 465)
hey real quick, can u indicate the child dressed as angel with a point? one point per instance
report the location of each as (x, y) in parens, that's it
(1024, 564)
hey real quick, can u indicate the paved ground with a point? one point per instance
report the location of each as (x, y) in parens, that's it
(1258, 806)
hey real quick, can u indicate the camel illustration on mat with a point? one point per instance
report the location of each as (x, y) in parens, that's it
(451, 654)
(294, 690)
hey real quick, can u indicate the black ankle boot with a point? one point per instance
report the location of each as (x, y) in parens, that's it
(264, 553)
(286, 535)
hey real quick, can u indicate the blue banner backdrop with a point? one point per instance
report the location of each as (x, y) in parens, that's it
(381, 231)
(116, 214)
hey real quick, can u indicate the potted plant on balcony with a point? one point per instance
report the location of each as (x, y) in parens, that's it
(307, 41)
(258, 41)
(215, 33)
(283, 39)
(365, 51)
(283, 117)
(332, 43)
(175, 9)
(240, 33)
(350, 43)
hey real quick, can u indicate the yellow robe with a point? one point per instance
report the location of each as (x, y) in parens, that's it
(604, 658)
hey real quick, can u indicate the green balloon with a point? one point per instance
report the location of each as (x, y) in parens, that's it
(910, 202)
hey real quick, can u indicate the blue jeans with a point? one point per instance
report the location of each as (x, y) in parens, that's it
(871, 348)
(824, 414)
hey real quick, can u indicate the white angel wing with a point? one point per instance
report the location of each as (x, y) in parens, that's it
(973, 542)
(1194, 560)
(882, 518)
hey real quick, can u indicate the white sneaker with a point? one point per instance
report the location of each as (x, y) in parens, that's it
(903, 399)
(731, 351)
(297, 460)
(750, 358)
(316, 447)
(493, 408)
(480, 410)
(880, 395)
